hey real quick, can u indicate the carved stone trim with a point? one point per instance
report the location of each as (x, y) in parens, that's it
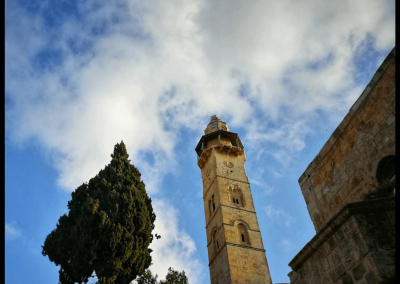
(230, 187)
(354, 208)
(204, 157)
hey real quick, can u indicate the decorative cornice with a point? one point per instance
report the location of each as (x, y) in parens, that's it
(350, 209)
(222, 147)
(204, 157)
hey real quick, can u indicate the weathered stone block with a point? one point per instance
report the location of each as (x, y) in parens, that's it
(332, 243)
(384, 257)
(371, 277)
(339, 235)
(387, 273)
(358, 271)
(346, 279)
(325, 264)
(335, 273)
(337, 200)
(345, 246)
(391, 119)
(349, 261)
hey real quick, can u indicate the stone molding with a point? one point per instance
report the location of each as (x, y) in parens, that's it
(235, 245)
(220, 205)
(354, 208)
(245, 247)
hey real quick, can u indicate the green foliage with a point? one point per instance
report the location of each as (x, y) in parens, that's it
(147, 278)
(108, 228)
(173, 277)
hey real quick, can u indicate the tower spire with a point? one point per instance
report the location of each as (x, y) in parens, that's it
(216, 124)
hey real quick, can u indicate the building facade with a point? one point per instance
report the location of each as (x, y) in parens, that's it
(349, 190)
(235, 249)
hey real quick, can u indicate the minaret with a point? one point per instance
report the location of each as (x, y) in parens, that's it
(235, 249)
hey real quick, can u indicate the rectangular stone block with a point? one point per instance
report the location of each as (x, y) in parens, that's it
(335, 273)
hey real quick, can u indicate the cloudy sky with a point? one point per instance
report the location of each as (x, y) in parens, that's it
(80, 76)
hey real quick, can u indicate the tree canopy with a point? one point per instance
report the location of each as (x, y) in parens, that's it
(108, 228)
(173, 277)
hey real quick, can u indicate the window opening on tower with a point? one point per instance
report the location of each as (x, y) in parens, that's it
(213, 204)
(236, 195)
(214, 238)
(243, 234)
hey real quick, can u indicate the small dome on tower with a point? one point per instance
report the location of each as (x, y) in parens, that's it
(216, 124)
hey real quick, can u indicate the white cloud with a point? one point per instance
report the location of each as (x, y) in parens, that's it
(277, 174)
(286, 245)
(11, 232)
(168, 65)
(278, 215)
(175, 248)
(256, 177)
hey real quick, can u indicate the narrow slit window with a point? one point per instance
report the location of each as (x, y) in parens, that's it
(237, 201)
(234, 200)
(213, 206)
(242, 238)
(217, 245)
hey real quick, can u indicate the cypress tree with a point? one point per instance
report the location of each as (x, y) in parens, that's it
(108, 228)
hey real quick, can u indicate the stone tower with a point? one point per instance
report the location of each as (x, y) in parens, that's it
(235, 249)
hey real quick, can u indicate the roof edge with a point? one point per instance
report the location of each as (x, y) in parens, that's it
(349, 116)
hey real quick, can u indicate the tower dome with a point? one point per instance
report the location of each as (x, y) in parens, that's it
(216, 124)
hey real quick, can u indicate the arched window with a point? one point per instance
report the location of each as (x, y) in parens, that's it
(215, 241)
(386, 169)
(243, 234)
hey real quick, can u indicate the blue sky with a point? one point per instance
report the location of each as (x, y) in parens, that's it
(80, 76)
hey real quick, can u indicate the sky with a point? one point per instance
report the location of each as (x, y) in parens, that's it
(81, 76)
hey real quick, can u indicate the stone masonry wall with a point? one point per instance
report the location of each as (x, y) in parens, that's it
(248, 266)
(359, 251)
(345, 168)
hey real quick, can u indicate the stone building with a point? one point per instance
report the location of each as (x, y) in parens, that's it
(235, 249)
(349, 190)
